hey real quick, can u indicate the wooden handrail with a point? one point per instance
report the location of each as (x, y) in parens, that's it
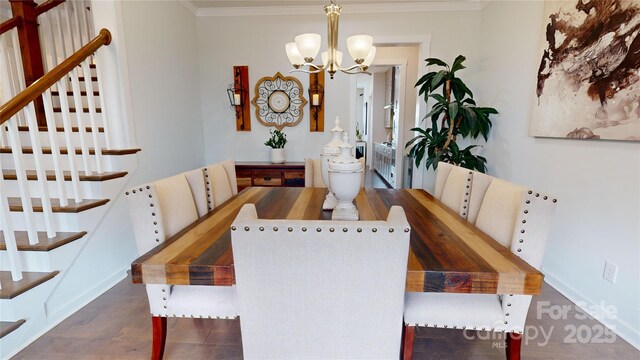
(29, 94)
(47, 5)
(10, 24)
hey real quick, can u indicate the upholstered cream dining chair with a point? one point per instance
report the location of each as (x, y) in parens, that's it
(456, 190)
(230, 168)
(517, 218)
(195, 178)
(320, 289)
(158, 211)
(313, 173)
(219, 187)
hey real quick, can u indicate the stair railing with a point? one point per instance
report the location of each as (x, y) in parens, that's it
(24, 103)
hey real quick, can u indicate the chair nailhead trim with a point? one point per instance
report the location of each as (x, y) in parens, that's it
(150, 195)
(126, 193)
(151, 204)
(331, 229)
(374, 230)
(555, 200)
(526, 211)
(140, 189)
(275, 228)
(524, 221)
(345, 230)
(261, 228)
(359, 230)
(545, 197)
(318, 230)
(233, 228)
(407, 230)
(529, 192)
(134, 191)
(246, 228)
(304, 229)
(391, 230)
(521, 241)
(290, 229)
(522, 231)
(528, 202)
(519, 250)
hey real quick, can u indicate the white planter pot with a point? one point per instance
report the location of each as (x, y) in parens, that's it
(277, 156)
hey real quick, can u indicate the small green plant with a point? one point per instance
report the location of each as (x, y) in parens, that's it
(458, 115)
(277, 140)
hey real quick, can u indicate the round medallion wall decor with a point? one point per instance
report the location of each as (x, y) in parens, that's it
(279, 101)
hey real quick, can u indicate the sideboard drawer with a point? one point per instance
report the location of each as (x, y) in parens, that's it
(267, 174)
(267, 178)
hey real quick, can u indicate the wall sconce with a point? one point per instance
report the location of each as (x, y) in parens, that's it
(238, 93)
(316, 101)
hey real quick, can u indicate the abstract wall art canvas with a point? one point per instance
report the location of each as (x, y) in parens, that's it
(588, 80)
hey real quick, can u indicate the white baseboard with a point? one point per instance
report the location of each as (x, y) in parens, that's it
(617, 325)
(73, 306)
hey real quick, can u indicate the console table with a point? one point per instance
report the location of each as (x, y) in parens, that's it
(268, 174)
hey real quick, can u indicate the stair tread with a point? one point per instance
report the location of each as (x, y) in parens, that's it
(70, 93)
(15, 204)
(51, 175)
(6, 327)
(45, 243)
(61, 129)
(11, 289)
(63, 150)
(72, 109)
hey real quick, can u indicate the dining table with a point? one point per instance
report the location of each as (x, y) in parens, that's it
(447, 253)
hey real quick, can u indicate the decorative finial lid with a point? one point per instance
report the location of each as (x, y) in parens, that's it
(333, 146)
(345, 161)
(337, 127)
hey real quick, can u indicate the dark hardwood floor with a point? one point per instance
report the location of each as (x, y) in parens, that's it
(117, 325)
(372, 180)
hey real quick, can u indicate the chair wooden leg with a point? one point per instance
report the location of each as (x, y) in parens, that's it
(408, 333)
(514, 343)
(159, 337)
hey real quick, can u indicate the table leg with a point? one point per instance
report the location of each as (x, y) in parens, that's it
(408, 333)
(514, 343)
(159, 337)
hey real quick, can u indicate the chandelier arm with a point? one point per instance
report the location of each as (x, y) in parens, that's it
(306, 71)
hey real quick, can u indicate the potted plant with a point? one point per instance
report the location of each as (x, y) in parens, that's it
(276, 142)
(457, 115)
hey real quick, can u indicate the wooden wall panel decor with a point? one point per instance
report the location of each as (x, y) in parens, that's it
(279, 101)
(316, 101)
(241, 89)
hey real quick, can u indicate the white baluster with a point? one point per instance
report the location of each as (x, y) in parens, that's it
(55, 150)
(77, 100)
(103, 106)
(27, 206)
(71, 154)
(15, 264)
(30, 112)
(88, 85)
(73, 35)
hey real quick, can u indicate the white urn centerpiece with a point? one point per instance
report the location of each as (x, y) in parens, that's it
(330, 151)
(345, 178)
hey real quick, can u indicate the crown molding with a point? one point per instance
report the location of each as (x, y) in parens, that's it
(472, 5)
(189, 6)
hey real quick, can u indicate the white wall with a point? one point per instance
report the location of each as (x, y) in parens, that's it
(258, 41)
(597, 182)
(162, 57)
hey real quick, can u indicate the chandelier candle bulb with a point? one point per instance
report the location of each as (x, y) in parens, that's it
(315, 99)
(236, 99)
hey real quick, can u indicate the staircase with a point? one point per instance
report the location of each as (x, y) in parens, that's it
(59, 173)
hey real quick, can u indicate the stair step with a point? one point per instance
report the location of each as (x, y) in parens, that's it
(70, 93)
(60, 129)
(6, 327)
(15, 204)
(44, 244)
(72, 110)
(11, 289)
(47, 150)
(51, 175)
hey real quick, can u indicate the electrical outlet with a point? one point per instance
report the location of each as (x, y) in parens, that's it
(610, 272)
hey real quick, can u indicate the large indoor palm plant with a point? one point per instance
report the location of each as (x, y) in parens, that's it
(454, 114)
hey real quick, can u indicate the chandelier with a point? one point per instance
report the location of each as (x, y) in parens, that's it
(303, 51)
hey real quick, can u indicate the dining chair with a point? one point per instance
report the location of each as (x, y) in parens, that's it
(457, 189)
(517, 218)
(218, 185)
(195, 178)
(313, 173)
(230, 167)
(158, 211)
(479, 187)
(320, 289)
(442, 172)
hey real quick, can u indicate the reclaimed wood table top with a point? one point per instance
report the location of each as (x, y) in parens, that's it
(447, 253)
